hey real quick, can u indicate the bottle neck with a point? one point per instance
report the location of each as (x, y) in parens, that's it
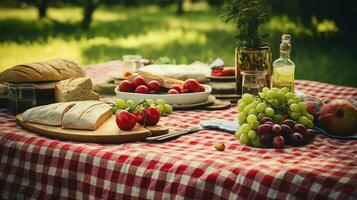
(285, 55)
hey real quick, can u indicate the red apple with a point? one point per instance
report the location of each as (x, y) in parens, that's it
(339, 117)
(142, 89)
(138, 81)
(176, 87)
(154, 85)
(172, 91)
(125, 86)
(192, 85)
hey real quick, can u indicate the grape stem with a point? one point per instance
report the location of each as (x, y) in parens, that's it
(279, 111)
(142, 102)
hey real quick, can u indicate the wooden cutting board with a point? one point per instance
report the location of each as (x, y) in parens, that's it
(106, 133)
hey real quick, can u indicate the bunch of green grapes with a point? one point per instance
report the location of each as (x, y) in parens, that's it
(288, 104)
(278, 104)
(160, 104)
(250, 109)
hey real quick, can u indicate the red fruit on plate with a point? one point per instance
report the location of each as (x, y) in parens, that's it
(339, 117)
(140, 116)
(125, 86)
(185, 90)
(125, 120)
(153, 116)
(173, 91)
(154, 85)
(202, 88)
(137, 81)
(142, 89)
(228, 72)
(176, 87)
(192, 85)
(152, 92)
(150, 116)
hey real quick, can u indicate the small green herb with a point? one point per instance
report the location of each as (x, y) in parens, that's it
(248, 15)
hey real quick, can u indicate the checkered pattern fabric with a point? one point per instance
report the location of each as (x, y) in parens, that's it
(32, 166)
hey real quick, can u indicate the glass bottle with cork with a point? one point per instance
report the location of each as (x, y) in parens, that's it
(284, 68)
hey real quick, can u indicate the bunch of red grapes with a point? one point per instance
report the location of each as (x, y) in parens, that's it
(287, 133)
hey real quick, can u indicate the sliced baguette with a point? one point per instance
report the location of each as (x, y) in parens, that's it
(48, 115)
(87, 115)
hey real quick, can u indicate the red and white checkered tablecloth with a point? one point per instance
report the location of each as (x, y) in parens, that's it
(32, 166)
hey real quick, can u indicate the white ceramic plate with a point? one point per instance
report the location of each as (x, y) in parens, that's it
(183, 98)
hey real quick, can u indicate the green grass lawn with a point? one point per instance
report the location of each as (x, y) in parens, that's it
(153, 32)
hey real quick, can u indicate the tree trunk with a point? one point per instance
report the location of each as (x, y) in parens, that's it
(179, 7)
(42, 8)
(89, 8)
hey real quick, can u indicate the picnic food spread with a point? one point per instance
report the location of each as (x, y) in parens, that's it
(201, 149)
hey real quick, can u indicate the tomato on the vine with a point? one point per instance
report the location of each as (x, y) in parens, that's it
(149, 116)
(125, 120)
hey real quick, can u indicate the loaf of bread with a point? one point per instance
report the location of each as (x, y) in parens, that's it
(75, 89)
(51, 70)
(87, 115)
(48, 115)
(164, 81)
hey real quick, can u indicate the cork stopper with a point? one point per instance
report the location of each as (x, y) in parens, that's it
(285, 45)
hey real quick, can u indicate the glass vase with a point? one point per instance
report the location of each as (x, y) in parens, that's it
(253, 59)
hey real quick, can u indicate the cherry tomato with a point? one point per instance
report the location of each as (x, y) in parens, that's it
(140, 117)
(155, 86)
(150, 116)
(138, 81)
(192, 85)
(176, 87)
(125, 86)
(153, 116)
(125, 120)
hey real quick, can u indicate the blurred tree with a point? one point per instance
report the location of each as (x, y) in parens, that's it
(180, 7)
(89, 7)
(215, 3)
(341, 12)
(42, 8)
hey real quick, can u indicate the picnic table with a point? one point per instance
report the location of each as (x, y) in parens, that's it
(189, 167)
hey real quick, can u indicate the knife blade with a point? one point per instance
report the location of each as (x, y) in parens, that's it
(216, 124)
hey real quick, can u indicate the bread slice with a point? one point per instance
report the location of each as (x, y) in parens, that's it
(75, 89)
(50, 70)
(87, 115)
(164, 81)
(49, 114)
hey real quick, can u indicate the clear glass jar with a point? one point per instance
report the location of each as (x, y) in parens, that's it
(21, 97)
(253, 59)
(253, 81)
(132, 62)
